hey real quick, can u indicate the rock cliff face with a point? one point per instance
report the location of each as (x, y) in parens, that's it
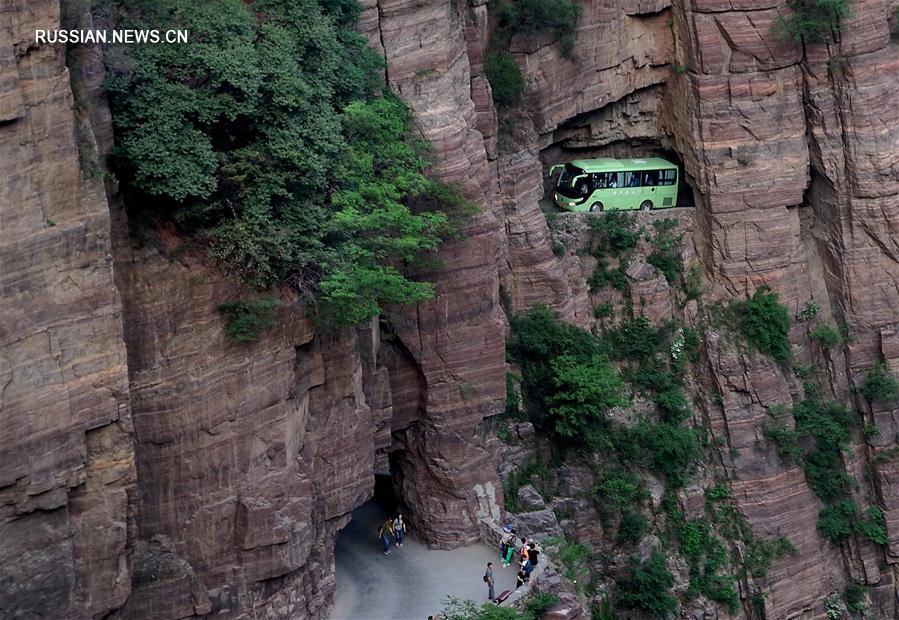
(67, 475)
(151, 468)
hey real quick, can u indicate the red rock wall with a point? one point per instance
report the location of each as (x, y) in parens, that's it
(66, 461)
(456, 342)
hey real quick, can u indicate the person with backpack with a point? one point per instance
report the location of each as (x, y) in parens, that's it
(384, 533)
(399, 528)
(488, 579)
(523, 551)
(527, 567)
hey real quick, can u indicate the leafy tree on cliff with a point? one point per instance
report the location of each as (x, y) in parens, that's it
(585, 391)
(812, 21)
(269, 135)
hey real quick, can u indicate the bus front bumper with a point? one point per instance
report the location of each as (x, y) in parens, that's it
(564, 203)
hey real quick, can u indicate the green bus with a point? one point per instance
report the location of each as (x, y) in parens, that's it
(616, 184)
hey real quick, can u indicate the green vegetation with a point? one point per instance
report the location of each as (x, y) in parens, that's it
(554, 357)
(513, 396)
(693, 282)
(822, 431)
(604, 610)
(631, 528)
(854, 596)
(825, 335)
(569, 385)
(761, 553)
(812, 21)
(880, 385)
(584, 391)
(664, 255)
(648, 588)
(808, 312)
(541, 603)
(505, 78)
(530, 17)
(833, 607)
(602, 277)
(615, 233)
(668, 449)
(269, 135)
(707, 558)
(466, 609)
(573, 557)
(248, 318)
(765, 323)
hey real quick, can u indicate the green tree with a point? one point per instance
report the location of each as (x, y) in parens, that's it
(765, 323)
(880, 384)
(532, 16)
(648, 587)
(584, 392)
(812, 21)
(505, 78)
(269, 134)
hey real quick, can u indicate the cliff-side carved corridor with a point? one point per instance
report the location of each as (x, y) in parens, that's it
(410, 583)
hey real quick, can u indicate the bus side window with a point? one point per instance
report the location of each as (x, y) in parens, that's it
(632, 179)
(604, 180)
(668, 177)
(650, 178)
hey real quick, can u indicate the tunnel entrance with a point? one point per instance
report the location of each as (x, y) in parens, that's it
(385, 495)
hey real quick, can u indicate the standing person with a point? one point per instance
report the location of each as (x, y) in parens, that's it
(533, 553)
(523, 552)
(399, 528)
(384, 535)
(488, 579)
(510, 549)
(504, 546)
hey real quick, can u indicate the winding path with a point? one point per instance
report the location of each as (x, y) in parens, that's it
(411, 583)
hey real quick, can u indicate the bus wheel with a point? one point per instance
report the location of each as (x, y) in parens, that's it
(596, 206)
(646, 205)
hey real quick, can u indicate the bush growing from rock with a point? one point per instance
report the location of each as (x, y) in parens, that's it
(880, 384)
(505, 79)
(532, 16)
(248, 318)
(648, 588)
(812, 21)
(765, 323)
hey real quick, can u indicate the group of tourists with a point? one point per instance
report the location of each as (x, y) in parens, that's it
(393, 527)
(520, 550)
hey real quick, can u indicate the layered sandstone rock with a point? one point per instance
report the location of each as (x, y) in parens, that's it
(66, 459)
(454, 344)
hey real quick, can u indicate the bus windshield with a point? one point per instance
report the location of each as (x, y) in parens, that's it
(566, 184)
